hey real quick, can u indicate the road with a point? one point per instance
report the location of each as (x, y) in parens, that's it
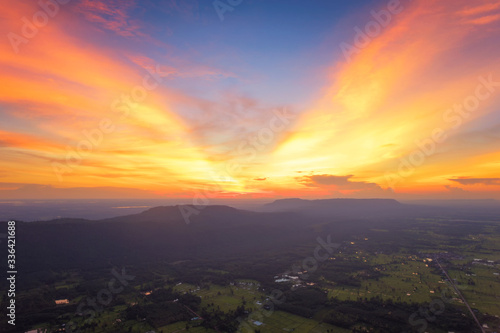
(461, 296)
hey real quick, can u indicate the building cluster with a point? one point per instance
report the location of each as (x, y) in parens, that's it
(484, 262)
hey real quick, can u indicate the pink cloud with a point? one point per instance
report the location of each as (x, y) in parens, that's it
(112, 15)
(485, 19)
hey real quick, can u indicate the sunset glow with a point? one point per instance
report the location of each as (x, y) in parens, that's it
(130, 99)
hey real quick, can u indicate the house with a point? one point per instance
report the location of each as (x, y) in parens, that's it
(61, 301)
(282, 280)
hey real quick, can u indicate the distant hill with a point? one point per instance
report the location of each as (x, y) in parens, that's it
(479, 203)
(358, 208)
(369, 209)
(297, 204)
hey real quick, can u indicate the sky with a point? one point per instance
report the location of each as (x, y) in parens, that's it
(250, 99)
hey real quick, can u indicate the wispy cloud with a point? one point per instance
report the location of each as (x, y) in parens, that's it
(113, 15)
(476, 181)
(485, 19)
(181, 68)
(42, 191)
(472, 9)
(394, 94)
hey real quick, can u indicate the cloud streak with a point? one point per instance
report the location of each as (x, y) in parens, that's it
(112, 15)
(476, 181)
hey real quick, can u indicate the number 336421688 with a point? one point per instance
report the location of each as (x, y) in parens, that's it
(11, 242)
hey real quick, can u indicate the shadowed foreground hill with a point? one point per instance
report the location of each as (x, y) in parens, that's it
(156, 234)
(216, 233)
(173, 214)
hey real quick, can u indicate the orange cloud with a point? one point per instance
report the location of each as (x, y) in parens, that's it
(485, 19)
(394, 94)
(65, 87)
(24, 141)
(478, 8)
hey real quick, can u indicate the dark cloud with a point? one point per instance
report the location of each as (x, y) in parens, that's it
(475, 181)
(456, 190)
(260, 179)
(341, 182)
